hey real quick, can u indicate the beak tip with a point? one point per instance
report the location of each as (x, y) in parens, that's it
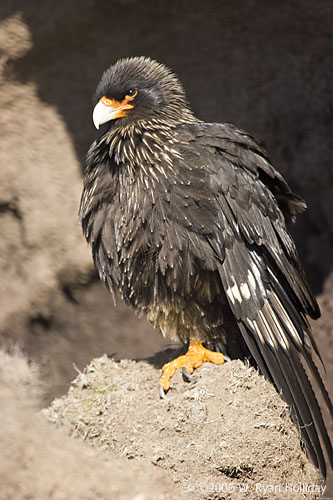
(99, 111)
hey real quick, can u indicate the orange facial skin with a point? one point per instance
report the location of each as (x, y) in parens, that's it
(119, 107)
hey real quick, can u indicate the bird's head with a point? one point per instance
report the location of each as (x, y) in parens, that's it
(136, 89)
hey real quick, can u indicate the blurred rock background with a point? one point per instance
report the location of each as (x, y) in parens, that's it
(265, 66)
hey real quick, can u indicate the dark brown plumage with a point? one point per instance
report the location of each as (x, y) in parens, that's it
(187, 220)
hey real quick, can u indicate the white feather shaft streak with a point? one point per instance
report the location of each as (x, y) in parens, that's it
(267, 332)
(289, 324)
(282, 339)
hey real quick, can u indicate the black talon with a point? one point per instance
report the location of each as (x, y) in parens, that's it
(187, 376)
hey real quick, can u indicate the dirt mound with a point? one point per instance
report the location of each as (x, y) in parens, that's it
(227, 436)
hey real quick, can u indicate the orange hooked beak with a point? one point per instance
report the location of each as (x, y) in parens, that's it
(110, 109)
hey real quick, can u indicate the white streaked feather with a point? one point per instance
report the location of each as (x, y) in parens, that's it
(234, 294)
(269, 334)
(283, 341)
(257, 329)
(291, 327)
(244, 288)
(251, 279)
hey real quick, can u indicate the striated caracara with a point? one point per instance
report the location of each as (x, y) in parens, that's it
(187, 220)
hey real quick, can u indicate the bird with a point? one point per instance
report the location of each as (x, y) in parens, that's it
(187, 221)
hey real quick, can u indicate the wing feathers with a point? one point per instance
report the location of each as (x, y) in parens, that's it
(278, 335)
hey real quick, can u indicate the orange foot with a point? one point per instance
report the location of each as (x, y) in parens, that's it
(195, 356)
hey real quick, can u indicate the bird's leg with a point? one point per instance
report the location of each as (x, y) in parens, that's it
(195, 356)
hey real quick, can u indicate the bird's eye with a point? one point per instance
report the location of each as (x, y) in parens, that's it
(131, 93)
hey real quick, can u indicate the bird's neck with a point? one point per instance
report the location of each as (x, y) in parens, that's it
(136, 145)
